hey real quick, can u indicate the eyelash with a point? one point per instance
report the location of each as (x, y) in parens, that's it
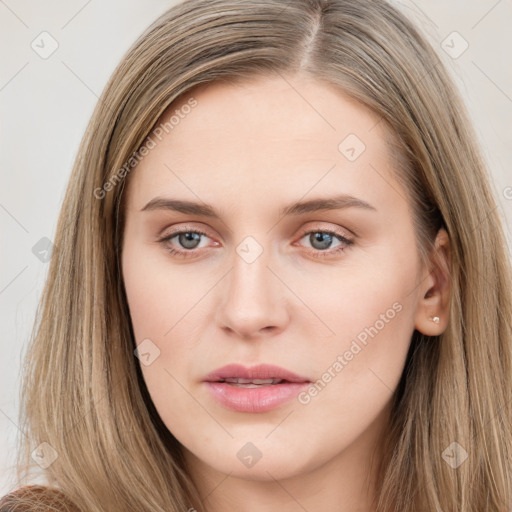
(316, 253)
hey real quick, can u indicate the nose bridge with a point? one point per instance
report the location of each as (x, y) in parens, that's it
(252, 297)
(250, 264)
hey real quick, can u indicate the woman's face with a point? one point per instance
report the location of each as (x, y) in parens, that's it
(331, 290)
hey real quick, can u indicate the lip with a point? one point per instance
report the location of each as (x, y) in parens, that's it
(254, 400)
(261, 371)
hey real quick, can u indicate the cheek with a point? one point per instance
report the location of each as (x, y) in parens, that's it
(159, 295)
(359, 366)
(168, 304)
(159, 299)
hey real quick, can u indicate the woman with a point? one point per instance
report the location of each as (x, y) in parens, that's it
(279, 281)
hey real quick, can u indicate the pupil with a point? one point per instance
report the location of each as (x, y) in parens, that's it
(189, 240)
(325, 240)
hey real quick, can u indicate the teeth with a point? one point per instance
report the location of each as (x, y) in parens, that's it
(266, 381)
(256, 382)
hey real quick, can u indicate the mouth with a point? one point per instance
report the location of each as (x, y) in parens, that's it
(254, 390)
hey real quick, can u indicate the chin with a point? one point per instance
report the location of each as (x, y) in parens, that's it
(260, 459)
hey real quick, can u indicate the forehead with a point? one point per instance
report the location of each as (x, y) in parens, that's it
(286, 110)
(277, 136)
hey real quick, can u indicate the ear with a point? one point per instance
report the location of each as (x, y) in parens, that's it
(435, 289)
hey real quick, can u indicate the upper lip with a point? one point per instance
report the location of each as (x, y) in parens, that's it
(261, 371)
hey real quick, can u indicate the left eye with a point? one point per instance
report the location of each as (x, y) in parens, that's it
(322, 240)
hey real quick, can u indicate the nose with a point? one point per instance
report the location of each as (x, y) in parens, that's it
(253, 299)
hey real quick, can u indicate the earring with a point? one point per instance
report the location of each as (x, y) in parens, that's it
(435, 319)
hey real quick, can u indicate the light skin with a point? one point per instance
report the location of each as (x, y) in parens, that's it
(250, 150)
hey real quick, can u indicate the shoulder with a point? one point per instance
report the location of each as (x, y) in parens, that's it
(36, 498)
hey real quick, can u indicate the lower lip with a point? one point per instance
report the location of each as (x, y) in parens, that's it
(260, 399)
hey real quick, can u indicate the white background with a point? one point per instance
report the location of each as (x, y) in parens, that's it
(46, 103)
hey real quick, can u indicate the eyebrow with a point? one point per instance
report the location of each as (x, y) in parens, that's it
(299, 208)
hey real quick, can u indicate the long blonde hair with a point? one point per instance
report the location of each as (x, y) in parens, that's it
(83, 392)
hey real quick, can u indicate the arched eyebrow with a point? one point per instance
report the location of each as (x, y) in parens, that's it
(326, 203)
(339, 202)
(177, 205)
